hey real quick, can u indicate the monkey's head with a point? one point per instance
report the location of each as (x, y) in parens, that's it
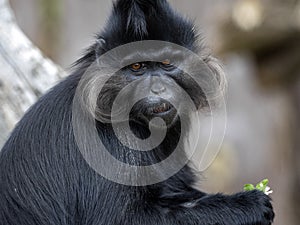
(157, 75)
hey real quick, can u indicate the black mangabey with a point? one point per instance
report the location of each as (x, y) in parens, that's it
(45, 179)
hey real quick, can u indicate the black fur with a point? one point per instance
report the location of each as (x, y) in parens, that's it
(44, 179)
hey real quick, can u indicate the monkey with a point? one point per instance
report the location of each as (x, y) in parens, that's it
(51, 172)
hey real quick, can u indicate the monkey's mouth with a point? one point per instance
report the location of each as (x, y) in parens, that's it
(164, 110)
(161, 108)
(147, 109)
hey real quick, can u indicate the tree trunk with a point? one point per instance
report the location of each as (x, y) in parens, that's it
(25, 73)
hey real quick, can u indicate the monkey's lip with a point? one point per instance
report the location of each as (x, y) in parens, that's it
(166, 111)
(161, 108)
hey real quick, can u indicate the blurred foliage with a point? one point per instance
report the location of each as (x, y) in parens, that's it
(271, 32)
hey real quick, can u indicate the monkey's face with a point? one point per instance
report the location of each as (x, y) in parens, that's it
(159, 91)
(146, 90)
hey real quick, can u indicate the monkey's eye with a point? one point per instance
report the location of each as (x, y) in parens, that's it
(166, 62)
(167, 65)
(136, 66)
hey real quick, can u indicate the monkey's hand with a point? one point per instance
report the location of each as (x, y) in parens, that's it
(244, 208)
(259, 210)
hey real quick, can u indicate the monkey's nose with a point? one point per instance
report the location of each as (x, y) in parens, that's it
(158, 88)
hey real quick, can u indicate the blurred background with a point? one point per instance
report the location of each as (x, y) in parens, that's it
(259, 44)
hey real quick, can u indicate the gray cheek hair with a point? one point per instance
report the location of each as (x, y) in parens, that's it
(217, 69)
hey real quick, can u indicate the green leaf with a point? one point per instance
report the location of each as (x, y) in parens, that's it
(265, 182)
(261, 186)
(249, 187)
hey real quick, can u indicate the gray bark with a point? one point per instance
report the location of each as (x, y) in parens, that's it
(25, 73)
